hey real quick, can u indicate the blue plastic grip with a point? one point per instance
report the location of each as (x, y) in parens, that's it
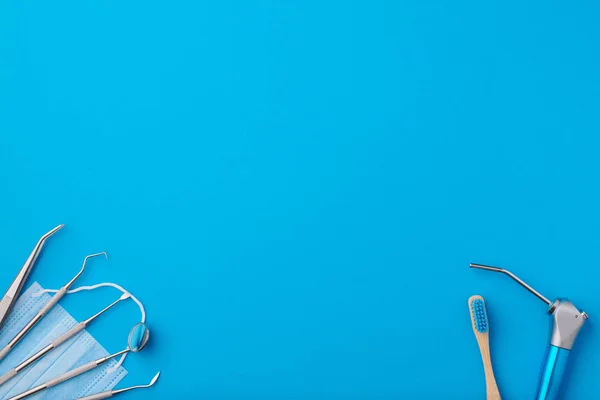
(553, 369)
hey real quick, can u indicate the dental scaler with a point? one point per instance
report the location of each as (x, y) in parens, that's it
(567, 320)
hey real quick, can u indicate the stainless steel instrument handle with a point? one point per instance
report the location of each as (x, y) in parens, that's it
(57, 342)
(53, 301)
(5, 351)
(8, 376)
(69, 334)
(71, 374)
(20, 336)
(29, 392)
(98, 396)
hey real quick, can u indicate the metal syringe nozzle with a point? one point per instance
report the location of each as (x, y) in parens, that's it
(516, 278)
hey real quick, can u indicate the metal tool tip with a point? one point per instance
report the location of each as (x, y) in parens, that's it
(53, 231)
(153, 381)
(102, 253)
(488, 267)
(125, 296)
(85, 260)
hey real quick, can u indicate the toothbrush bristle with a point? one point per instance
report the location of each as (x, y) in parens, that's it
(479, 315)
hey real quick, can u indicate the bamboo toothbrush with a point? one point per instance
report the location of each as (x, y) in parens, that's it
(481, 328)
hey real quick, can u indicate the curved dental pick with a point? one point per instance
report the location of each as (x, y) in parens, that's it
(85, 261)
(111, 393)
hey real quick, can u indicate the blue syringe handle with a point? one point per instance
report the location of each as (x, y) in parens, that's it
(553, 369)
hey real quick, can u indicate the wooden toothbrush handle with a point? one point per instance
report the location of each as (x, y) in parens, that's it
(490, 381)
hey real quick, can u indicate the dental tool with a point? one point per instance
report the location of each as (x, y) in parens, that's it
(15, 288)
(481, 328)
(111, 393)
(57, 342)
(137, 340)
(99, 285)
(55, 299)
(567, 320)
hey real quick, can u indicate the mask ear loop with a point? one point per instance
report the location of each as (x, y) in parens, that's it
(104, 284)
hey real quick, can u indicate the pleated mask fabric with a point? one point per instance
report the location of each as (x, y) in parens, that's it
(80, 349)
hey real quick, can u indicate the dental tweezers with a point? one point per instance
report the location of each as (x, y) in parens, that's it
(15, 288)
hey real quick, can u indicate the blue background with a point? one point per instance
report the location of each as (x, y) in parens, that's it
(295, 189)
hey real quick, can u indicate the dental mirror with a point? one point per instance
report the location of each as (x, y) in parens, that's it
(138, 337)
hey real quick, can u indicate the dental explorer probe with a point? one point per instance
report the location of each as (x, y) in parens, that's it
(53, 301)
(111, 393)
(15, 288)
(57, 342)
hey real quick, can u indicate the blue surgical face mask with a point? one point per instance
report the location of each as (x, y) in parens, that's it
(77, 351)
